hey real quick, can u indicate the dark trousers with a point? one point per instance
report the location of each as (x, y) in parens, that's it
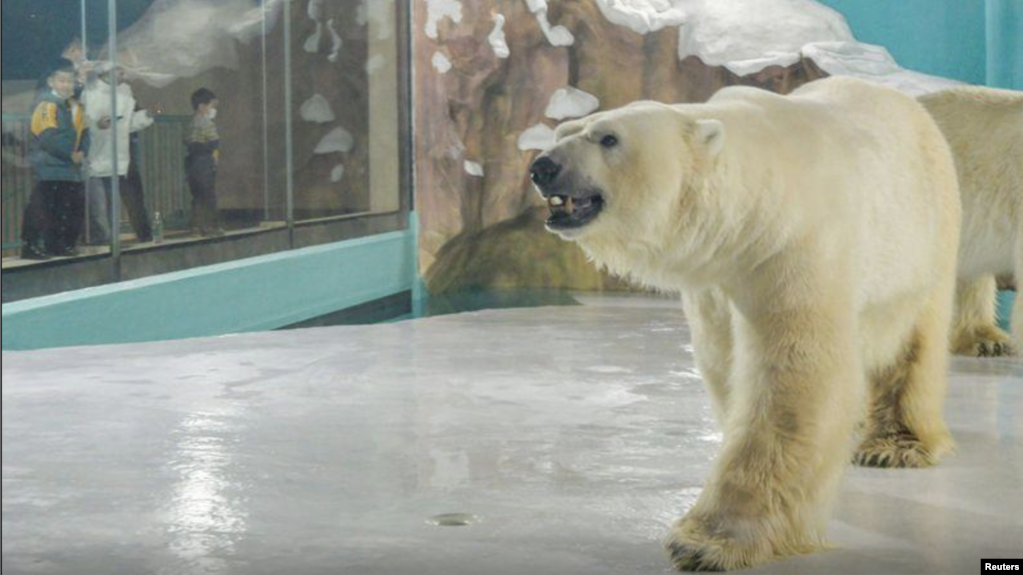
(133, 200)
(54, 216)
(202, 183)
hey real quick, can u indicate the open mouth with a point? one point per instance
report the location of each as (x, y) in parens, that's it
(567, 212)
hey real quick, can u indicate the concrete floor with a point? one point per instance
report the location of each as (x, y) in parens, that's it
(569, 437)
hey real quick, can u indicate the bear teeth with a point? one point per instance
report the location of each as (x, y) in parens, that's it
(559, 204)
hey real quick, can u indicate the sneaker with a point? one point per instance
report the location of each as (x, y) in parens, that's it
(30, 252)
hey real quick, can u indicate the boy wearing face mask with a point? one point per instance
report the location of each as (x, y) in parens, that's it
(203, 153)
(53, 217)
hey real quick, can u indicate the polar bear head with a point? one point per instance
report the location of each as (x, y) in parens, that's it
(628, 179)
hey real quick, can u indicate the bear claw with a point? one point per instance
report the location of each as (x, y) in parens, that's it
(893, 451)
(690, 557)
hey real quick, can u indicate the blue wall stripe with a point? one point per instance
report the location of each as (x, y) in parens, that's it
(253, 294)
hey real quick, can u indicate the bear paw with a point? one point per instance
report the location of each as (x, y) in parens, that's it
(984, 341)
(691, 549)
(901, 450)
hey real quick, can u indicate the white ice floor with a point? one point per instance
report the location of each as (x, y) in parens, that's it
(571, 436)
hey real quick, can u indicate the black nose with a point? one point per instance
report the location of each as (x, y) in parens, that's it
(544, 170)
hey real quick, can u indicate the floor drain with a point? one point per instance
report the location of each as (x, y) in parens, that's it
(452, 519)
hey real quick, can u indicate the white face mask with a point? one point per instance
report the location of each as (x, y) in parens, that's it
(211, 113)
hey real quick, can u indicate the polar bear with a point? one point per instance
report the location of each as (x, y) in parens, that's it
(984, 128)
(813, 239)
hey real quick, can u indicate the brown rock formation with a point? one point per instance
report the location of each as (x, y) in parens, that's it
(477, 110)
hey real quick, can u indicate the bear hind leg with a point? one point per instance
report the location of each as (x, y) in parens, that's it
(975, 332)
(905, 426)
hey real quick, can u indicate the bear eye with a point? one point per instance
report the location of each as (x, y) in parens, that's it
(609, 141)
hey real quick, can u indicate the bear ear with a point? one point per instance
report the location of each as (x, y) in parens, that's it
(711, 134)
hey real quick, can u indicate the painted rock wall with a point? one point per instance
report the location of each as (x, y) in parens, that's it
(472, 106)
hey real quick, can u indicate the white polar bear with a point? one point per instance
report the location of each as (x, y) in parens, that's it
(813, 238)
(984, 128)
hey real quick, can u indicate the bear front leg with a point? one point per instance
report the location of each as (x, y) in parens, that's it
(797, 393)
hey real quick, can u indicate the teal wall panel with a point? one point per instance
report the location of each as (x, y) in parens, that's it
(253, 294)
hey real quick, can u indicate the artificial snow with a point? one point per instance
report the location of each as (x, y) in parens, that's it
(496, 38)
(312, 43)
(556, 35)
(746, 36)
(571, 103)
(643, 16)
(873, 63)
(337, 173)
(337, 140)
(315, 10)
(441, 62)
(437, 10)
(184, 38)
(539, 137)
(335, 42)
(179, 38)
(316, 109)
(473, 169)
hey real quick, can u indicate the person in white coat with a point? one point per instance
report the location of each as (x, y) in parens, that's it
(106, 125)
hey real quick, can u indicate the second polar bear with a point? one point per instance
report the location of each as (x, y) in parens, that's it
(984, 128)
(813, 239)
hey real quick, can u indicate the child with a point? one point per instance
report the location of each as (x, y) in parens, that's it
(54, 214)
(203, 154)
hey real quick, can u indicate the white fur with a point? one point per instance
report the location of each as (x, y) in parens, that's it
(984, 128)
(813, 239)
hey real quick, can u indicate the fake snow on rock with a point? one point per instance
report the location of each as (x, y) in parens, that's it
(437, 10)
(316, 109)
(315, 10)
(337, 173)
(179, 38)
(252, 21)
(746, 36)
(335, 42)
(556, 35)
(441, 62)
(473, 169)
(312, 43)
(496, 38)
(539, 137)
(337, 140)
(184, 38)
(571, 103)
(872, 63)
(643, 16)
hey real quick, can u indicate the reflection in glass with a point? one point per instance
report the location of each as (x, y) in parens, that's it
(307, 119)
(345, 85)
